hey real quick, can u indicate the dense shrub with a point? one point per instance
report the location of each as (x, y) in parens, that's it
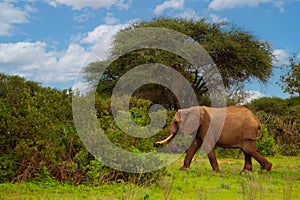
(266, 144)
(139, 111)
(282, 118)
(274, 106)
(38, 139)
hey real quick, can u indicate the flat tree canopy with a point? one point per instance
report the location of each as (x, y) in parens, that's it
(238, 54)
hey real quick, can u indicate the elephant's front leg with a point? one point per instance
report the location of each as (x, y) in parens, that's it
(196, 144)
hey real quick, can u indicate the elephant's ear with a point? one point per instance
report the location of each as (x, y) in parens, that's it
(190, 120)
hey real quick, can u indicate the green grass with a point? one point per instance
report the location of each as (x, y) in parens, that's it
(283, 182)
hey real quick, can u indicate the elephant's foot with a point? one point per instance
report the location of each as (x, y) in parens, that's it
(247, 168)
(183, 168)
(216, 170)
(267, 166)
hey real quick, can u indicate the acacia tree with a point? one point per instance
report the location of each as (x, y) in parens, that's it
(291, 80)
(238, 54)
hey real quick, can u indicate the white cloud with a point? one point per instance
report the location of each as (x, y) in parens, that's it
(52, 3)
(177, 9)
(217, 19)
(33, 60)
(11, 15)
(253, 95)
(170, 4)
(229, 4)
(82, 87)
(281, 57)
(29, 8)
(79, 4)
(84, 16)
(21, 53)
(70, 61)
(110, 19)
(280, 5)
(101, 38)
(37, 61)
(188, 14)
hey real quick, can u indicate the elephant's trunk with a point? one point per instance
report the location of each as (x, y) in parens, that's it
(165, 140)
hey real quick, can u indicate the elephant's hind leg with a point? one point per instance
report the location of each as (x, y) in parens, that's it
(266, 165)
(248, 162)
(251, 151)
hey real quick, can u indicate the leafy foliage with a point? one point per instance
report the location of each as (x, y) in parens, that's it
(238, 55)
(282, 118)
(266, 145)
(38, 140)
(291, 80)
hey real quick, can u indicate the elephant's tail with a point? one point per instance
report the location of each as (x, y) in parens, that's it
(259, 132)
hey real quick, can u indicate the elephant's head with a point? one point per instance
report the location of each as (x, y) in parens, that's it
(185, 121)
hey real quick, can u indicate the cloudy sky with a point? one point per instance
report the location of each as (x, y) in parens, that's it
(47, 40)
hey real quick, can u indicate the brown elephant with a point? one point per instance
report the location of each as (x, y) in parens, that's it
(237, 129)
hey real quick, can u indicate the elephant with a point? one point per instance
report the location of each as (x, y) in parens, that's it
(239, 130)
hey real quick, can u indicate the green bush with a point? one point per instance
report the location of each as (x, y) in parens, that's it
(266, 145)
(38, 139)
(274, 106)
(289, 150)
(8, 167)
(282, 117)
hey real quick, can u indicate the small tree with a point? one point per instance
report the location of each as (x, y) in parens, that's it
(291, 80)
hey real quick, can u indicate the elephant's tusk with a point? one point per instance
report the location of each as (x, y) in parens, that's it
(165, 140)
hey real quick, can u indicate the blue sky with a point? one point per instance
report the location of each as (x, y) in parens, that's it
(47, 40)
